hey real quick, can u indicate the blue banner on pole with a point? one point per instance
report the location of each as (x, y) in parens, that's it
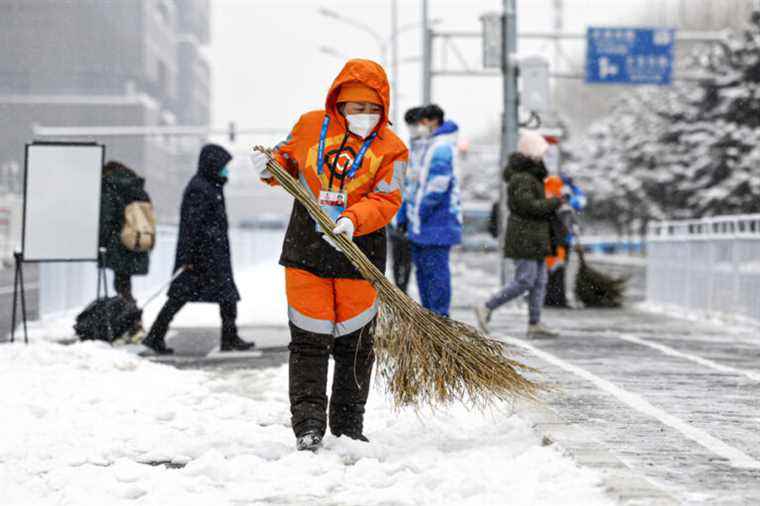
(630, 56)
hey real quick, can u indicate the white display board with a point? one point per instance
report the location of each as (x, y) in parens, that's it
(62, 202)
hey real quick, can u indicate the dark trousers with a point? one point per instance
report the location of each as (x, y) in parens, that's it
(556, 290)
(401, 252)
(433, 276)
(309, 357)
(122, 283)
(227, 310)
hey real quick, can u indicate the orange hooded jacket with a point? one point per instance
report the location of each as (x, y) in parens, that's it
(374, 192)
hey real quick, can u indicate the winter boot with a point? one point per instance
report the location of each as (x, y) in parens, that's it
(309, 441)
(234, 343)
(309, 356)
(354, 358)
(157, 344)
(538, 331)
(155, 338)
(355, 437)
(230, 339)
(483, 314)
(347, 420)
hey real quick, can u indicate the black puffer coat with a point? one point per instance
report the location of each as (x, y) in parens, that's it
(528, 233)
(121, 186)
(203, 239)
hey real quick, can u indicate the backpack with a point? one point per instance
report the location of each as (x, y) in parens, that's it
(139, 231)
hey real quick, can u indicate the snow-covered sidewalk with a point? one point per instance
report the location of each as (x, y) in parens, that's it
(88, 424)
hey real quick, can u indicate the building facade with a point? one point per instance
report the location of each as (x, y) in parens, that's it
(96, 63)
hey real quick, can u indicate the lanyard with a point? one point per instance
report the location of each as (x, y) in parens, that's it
(357, 161)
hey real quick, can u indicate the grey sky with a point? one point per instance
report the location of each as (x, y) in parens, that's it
(267, 68)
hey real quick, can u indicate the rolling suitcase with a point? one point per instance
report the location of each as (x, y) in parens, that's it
(108, 318)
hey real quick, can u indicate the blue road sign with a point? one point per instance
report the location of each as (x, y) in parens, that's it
(629, 55)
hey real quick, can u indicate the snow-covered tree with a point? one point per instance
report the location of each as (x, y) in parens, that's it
(687, 151)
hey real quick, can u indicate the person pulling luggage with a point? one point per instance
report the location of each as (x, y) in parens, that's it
(127, 232)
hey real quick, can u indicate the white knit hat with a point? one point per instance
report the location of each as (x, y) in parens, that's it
(533, 145)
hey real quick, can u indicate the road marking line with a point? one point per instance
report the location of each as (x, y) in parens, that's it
(667, 350)
(736, 457)
(8, 290)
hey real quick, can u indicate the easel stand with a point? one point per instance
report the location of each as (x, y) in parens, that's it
(70, 232)
(19, 295)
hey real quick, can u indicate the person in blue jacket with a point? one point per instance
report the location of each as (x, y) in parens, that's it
(434, 211)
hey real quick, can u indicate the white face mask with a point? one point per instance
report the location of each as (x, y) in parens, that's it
(420, 131)
(362, 124)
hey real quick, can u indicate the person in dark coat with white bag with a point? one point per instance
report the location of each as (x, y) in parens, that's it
(203, 251)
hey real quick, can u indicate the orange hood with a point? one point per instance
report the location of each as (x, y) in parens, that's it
(368, 73)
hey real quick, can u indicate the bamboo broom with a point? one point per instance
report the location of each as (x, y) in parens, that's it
(597, 289)
(425, 358)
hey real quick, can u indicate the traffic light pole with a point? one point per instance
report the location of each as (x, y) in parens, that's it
(510, 122)
(427, 55)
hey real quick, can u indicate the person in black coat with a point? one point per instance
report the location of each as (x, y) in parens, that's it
(121, 187)
(203, 250)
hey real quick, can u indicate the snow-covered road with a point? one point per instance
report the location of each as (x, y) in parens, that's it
(88, 424)
(672, 399)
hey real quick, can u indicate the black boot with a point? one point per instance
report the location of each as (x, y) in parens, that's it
(356, 437)
(157, 344)
(155, 338)
(309, 441)
(354, 358)
(236, 344)
(230, 339)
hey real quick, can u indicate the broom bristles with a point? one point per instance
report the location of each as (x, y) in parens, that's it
(425, 358)
(597, 289)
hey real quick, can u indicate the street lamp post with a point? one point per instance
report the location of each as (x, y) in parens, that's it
(426, 56)
(329, 13)
(382, 45)
(336, 53)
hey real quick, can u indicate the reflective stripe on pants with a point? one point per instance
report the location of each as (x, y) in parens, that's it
(330, 306)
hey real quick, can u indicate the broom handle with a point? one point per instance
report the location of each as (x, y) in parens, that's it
(347, 246)
(163, 287)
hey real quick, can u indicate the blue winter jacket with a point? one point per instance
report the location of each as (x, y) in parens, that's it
(434, 210)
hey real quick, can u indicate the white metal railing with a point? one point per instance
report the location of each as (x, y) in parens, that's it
(710, 265)
(66, 287)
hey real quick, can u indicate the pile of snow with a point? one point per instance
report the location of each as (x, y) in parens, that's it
(87, 424)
